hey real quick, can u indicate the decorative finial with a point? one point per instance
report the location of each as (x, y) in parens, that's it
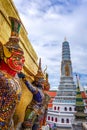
(77, 78)
(65, 39)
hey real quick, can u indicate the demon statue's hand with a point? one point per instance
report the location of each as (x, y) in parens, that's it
(21, 75)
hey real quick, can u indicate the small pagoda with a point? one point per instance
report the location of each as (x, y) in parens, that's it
(80, 116)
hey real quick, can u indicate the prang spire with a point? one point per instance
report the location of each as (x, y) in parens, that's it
(66, 65)
(65, 50)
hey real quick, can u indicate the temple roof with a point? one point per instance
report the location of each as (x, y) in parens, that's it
(83, 95)
(52, 94)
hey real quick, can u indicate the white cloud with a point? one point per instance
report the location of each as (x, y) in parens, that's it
(48, 23)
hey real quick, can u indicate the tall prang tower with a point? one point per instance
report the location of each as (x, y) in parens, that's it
(63, 110)
(66, 79)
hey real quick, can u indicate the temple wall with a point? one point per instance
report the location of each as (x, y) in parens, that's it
(7, 8)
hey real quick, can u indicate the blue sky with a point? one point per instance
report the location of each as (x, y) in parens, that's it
(47, 23)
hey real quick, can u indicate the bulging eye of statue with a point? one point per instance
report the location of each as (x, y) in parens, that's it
(18, 58)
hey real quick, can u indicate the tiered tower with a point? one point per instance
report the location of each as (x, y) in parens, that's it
(62, 112)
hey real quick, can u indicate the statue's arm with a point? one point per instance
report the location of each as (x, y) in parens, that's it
(37, 95)
(27, 83)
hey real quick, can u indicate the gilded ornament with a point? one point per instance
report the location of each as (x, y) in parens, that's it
(67, 72)
(7, 53)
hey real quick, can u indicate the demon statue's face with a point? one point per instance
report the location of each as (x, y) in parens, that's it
(16, 61)
(13, 54)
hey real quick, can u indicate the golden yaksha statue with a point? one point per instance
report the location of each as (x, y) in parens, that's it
(11, 63)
